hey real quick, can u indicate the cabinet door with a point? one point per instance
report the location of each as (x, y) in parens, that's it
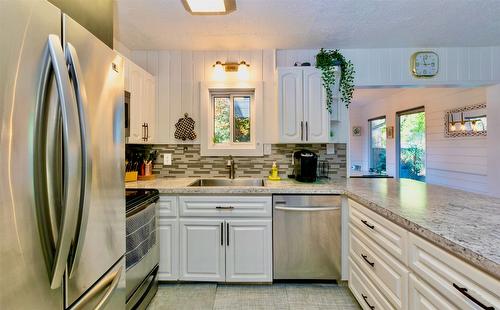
(248, 250)
(423, 297)
(202, 251)
(169, 250)
(136, 88)
(149, 106)
(291, 108)
(316, 116)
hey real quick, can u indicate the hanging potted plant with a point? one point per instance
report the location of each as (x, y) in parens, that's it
(329, 62)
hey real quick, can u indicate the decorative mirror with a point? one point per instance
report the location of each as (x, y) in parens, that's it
(469, 121)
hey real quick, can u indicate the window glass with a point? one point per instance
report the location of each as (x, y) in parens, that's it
(412, 145)
(378, 145)
(222, 116)
(241, 119)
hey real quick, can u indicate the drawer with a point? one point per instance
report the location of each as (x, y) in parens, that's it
(385, 233)
(385, 271)
(365, 292)
(424, 297)
(168, 206)
(464, 286)
(226, 206)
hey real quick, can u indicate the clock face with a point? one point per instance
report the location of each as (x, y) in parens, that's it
(425, 64)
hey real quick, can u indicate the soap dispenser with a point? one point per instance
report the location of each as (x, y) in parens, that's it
(274, 172)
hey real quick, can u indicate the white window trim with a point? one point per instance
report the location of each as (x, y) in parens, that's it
(253, 148)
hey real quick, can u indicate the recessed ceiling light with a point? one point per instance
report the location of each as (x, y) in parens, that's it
(209, 7)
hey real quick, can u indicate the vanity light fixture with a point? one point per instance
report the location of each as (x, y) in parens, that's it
(209, 7)
(240, 68)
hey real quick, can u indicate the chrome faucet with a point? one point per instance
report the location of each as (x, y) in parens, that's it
(230, 165)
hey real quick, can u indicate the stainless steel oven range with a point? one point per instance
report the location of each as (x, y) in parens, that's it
(142, 247)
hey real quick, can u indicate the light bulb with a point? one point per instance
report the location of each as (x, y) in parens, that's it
(243, 72)
(218, 72)
(453, 127)
(462, 126)
(474, 126)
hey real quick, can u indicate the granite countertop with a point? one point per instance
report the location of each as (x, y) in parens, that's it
(285, 186)
(463, 223)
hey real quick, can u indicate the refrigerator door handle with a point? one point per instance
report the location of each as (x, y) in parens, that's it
(76, 77)
(110, 282)
(56, 246)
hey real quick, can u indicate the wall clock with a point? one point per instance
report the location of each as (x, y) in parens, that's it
(424, 64)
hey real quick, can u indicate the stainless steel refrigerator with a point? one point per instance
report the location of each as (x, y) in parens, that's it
(62, 195)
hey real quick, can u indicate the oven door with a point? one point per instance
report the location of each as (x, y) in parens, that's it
(142, 255)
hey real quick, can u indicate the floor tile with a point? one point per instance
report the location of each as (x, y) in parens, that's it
(253, 297)
(250, 297)
(184, 296)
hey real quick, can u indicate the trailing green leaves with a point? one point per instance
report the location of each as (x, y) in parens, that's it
(327, 61)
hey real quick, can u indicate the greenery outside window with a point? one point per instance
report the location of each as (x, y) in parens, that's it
(378, 141)
(232, 119)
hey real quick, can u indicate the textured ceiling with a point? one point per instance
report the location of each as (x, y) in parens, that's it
(257, 24)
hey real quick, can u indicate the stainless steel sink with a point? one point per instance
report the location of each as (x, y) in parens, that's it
(228, 182)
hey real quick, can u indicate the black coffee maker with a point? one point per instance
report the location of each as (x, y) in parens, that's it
(305, 165)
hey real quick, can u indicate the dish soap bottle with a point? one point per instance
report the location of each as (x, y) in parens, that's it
(274, 172)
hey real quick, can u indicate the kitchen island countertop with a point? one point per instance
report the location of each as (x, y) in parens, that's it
(463, 223)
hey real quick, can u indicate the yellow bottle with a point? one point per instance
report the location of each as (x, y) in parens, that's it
(274, 173)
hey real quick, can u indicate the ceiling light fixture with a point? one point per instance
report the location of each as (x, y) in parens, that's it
(209, 7)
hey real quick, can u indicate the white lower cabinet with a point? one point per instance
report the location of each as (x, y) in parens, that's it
(391, 268)
(423, 297)
(365, 291)
(229, 250)
(202, 250)
(169, 248)
(248, 250)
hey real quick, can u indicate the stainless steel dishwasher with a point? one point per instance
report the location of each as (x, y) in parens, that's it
(306, 237)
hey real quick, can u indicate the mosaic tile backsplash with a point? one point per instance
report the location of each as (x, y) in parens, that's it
(187, 162)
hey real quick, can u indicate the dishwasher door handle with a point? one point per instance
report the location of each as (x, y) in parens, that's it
(307, 208)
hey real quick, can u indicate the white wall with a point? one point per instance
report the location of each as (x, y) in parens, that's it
(178, 76)
(122, 49)
(493, 102)
(454, 162)
(460, 66)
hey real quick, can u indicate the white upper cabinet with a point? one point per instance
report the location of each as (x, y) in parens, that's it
(142, 88)
(316, 116)
(291, 105)
(303, 115)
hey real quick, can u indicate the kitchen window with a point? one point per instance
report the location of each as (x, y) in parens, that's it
(377, 144)
(231, 118)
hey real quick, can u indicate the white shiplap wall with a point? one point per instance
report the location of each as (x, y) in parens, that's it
(460, 66)
(455, 162)
(178, 76)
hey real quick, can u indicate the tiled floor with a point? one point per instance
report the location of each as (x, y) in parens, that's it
(276, 296)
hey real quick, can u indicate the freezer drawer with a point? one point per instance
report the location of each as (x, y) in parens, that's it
(306, 237)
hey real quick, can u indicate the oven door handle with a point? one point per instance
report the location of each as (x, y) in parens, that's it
(145, 205)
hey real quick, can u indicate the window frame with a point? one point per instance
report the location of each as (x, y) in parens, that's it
(370, 141)
(207, 147)
(231, 95)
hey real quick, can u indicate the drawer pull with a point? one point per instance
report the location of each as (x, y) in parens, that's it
(366, 260)
(366, 223)
(464, 291)
(224, 208)
(365, 298)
